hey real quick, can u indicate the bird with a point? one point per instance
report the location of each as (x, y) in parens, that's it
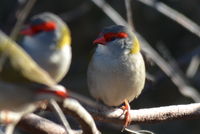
(116, 72)
(47, 39)
(22, 81)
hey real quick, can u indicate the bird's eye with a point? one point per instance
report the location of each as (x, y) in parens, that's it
(111, 39)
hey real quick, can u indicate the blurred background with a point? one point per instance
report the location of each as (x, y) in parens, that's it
(178, 46)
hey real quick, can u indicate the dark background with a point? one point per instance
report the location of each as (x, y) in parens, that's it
(86, 21)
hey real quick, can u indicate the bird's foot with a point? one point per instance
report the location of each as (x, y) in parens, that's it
(126, 109)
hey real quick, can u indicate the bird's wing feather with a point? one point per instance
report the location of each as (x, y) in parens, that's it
(17, 66)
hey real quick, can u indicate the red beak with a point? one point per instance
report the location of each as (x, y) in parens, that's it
(100, 40)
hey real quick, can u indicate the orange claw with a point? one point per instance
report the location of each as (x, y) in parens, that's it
(126, 108)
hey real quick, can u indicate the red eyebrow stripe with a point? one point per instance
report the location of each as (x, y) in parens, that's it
(119, 35)
(109, 36)
(45, 26)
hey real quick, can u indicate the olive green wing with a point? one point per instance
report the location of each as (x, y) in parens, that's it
(18, 67)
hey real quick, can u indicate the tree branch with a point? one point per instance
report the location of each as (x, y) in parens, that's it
(149, 115)
(102, 113)
(37, 125)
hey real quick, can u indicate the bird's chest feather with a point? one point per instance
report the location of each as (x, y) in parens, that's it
(114, 78)
(43, 51)
(120, 67)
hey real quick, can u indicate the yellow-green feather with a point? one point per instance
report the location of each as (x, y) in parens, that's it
(65, 37)
(135, 46)
(18, 67)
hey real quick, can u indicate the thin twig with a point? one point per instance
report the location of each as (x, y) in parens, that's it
(85, 100)
(60, 114)
(184, 88)
(174, 15)
(129, 14)
(179, 77)
(115, 17)
(193, 66)
(138, 131)
(86, 121)
(76, 13)
(185, 59)
(21, 18)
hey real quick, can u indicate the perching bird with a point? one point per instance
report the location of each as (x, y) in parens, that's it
(116, 73)
(47, 40)
(22, 81)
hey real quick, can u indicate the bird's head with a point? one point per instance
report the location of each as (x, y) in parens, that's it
(119, 35)
(48, 27)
